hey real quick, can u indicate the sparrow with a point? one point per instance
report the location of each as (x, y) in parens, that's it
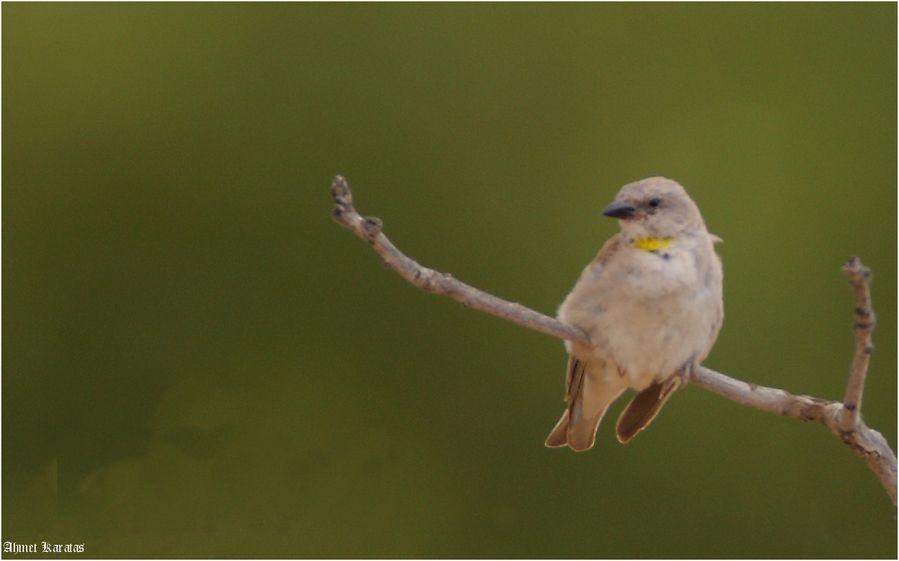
(651, 304)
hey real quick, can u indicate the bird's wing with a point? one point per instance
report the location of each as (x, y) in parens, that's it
(612, 246)
(574, 380)
(644, 408)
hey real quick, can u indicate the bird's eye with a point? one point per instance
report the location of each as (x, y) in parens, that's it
(655, 202)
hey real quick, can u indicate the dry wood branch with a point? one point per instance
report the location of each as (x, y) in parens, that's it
(860, 278)
(844, 421)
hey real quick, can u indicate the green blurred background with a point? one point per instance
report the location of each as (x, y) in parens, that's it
(199, 362)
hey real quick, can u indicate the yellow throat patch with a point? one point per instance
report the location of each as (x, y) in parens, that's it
(652, 244)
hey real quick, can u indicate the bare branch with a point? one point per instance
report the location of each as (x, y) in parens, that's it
(369, 229)
(860, 278)
(866, 442)
(844, 421)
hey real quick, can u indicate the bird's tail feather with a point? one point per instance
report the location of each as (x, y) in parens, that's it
(588, 399)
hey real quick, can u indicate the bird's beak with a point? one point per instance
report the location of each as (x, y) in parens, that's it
(621, 211)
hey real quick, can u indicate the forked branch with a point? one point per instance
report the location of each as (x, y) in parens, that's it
(843, 419)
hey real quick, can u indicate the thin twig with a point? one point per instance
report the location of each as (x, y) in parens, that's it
(860, 278)
(867, 443)
(369, 229)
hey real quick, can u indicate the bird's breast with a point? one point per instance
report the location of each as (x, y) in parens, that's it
(649, 312)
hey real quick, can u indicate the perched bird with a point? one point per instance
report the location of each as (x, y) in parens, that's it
(651, 304)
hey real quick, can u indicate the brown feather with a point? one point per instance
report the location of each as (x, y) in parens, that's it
(640, 412)
(608, 249)
(558, 438)
(574, 380)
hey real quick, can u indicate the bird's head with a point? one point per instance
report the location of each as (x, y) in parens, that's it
(655, 207)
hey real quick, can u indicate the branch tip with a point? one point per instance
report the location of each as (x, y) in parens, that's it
(857, 271)
(373, 226)
(341, 195)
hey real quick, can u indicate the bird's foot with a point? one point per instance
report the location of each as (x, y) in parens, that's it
(685, 372)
